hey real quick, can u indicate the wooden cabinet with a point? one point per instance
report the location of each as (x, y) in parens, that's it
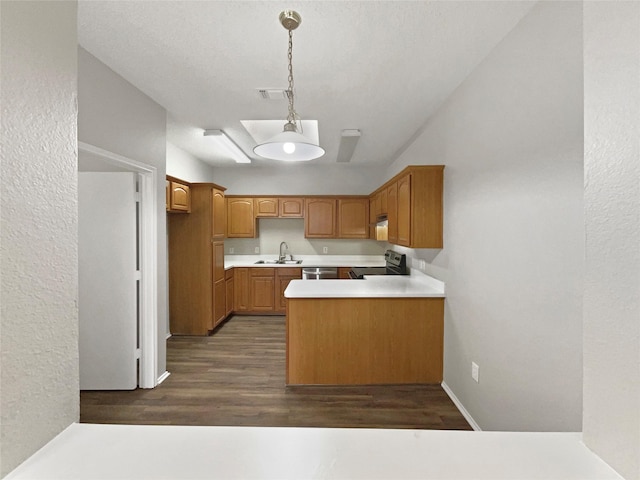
(178, 196)
(241, 289)
(241, 222)
(261, 289)
(283, 277)
(392, 213)
(266, 207)
(320, 218)
(343, 272)
(291, 207)
(219, 285)
(228, 278)
(414, 207)
(197, 294)
(353, 218)
(219, 215)
(404, 211)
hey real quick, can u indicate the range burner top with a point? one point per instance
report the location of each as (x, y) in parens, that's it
(396, 264)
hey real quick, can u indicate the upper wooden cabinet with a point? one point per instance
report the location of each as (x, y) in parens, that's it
(320, 218)
(178, 196)
(266, 207)
(414, 201)
(241, 222)
(279, 207)
(353, 218)
(219, 214)
(392, 212)
(291, 207)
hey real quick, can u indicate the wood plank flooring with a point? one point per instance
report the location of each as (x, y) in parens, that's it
(236, 377)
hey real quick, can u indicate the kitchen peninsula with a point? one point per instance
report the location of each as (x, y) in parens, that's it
(380, 330)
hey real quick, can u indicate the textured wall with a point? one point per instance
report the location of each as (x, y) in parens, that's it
(116, 116)
(38, 249)
(612, 217)
(511, 139)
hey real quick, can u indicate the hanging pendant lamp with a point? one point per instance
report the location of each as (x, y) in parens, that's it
(289, 145)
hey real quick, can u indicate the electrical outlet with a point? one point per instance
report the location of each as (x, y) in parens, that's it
(325, 249)
(475, 371)
(231, 250)
(256, 250)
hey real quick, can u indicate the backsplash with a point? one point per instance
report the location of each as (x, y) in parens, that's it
(272, 231)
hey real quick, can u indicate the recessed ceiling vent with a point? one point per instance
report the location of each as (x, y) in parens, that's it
(272, 93)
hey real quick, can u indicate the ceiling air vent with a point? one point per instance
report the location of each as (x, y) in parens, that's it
(272, 93)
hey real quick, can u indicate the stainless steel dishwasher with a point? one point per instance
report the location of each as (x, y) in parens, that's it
(319, 273)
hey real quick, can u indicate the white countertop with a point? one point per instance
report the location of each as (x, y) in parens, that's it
(187, 452)
(416, 285)
(231, 261)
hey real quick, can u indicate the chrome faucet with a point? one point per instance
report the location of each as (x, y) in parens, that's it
(283, 256)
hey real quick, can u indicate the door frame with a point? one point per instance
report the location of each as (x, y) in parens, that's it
(148, 241)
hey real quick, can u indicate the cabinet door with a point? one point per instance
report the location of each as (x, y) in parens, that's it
(180, 199)
(353, 218)
(230, 295)
(220, 302)
(320, 218)
(219, 214)
(383, 203)
(240, 220)
(261, 289)
(404, 211)
(392, 212)
(266, 207)
(168, 201)
(291, 207)
(241, 289)
(218, 261)
(372, 216)
(284, 276)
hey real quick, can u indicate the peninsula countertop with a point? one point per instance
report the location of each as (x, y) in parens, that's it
(416, 285)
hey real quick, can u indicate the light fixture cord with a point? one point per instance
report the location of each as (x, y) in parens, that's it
(292, 113)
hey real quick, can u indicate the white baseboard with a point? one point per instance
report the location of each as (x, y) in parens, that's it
(162, 377)
(467, 416)
(168, 336)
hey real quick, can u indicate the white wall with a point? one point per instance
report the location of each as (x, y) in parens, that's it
(511, 139)
(292, 179)
(272, 231)
(38, 242)
(116, 116)
(612, 215)
(183, 165)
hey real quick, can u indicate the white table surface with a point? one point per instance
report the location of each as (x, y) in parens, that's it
(141, 452)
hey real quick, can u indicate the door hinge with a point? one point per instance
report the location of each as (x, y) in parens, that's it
(138, 353)
(137, 275)
(137, 197)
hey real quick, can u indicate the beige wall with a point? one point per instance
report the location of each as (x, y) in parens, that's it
(511, 139)
(38, 241)
(612, 217)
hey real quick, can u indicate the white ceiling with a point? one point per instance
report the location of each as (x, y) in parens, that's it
(382, 67)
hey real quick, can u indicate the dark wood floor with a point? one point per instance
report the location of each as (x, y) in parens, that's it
(236, 377)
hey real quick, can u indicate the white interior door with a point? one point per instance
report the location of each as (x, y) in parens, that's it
(107, 281)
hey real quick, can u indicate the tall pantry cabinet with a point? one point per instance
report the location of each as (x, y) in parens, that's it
(197, 288)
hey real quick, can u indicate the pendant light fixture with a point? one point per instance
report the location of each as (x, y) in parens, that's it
(289, 145)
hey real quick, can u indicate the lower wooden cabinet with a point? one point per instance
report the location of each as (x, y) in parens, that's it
(261, 289)
(283, 277)
(228, 276)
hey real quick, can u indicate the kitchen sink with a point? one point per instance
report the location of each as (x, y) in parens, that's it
(278, 262)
